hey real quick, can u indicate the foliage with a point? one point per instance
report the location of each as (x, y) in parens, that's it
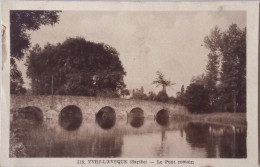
(182, 90)
(199, 80)
(125, 92)
(79, 67)
(197, 98)
(162, 97)
(20, 22)
(151, 96)
(139, 94)
(16, 84)
(161, 81)
(180, 96)
(212, 42)
(230, 48)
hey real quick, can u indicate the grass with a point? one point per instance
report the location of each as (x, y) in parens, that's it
(236, 119)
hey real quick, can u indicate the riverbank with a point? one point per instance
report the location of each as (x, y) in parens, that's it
(236, 119)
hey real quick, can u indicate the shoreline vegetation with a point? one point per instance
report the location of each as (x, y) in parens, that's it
(229, 119)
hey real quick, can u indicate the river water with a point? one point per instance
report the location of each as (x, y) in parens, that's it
(135, 138)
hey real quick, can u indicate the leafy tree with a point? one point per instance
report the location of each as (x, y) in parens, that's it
(151, 96)
(182, 89)
(17, 82)
(161, 81)
(139, 94)
(197, 97)
(79, 67)
(180, 96)
(230, 48)
(20, 22)
(199, 80)
(212, 77)
(125, 92)
(162, 97)
(233, 78)
(212, 42)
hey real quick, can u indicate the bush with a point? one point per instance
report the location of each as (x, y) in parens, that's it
(162, 97)
(197, 98)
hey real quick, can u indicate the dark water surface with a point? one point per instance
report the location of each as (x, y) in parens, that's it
(135, 138)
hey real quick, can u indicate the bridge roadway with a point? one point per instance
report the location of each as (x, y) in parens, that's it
(89, 106)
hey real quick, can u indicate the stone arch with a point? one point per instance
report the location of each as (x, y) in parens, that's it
(136, 112)
(106, 117)
(30, 113)
(136, 117)
(70, 117)
(162, 117)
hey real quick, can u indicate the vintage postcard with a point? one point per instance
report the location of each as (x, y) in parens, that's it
(129, 84)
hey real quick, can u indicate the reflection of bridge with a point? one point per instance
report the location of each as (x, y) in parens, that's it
(91, 105)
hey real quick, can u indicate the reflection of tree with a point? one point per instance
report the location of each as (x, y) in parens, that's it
(233, 143)
(107, 146)
(196, 134)
(219, 141)
(163, 150)
(97, 145)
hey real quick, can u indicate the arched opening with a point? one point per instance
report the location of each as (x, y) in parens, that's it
(162, 117)
(106, 117)
(136, 117)
(31, 113)
(70, 117)
(136, 112)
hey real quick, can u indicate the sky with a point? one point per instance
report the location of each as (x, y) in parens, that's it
(147, 41)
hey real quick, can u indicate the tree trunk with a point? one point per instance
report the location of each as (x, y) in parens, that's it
(164, 89)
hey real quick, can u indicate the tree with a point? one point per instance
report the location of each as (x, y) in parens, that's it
(162, 96)
(199, 80)
(16, 84)
(79, 67)
(212, 78)
(151, 96)
(20, 22)
(233, 78)
(125, 92)
(161, 81)
(229, 50)
(182, 89)
(139, 94)
(197, 97)
(180, 96)
(212, 42)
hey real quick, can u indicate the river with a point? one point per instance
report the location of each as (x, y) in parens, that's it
(136, 137)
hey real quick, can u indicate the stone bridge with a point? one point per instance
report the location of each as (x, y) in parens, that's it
(89, 106)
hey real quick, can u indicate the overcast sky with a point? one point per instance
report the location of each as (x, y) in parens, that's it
(170, 42)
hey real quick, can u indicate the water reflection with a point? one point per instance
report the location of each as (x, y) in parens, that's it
(136, 122)
(30, 113)
(177, 140)
(70, 117)
(136, 117)
(162, 117)
(98, 145)
(219, 141)
(163, 150)
(106, 118)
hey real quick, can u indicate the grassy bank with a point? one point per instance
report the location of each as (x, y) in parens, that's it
(236, 119)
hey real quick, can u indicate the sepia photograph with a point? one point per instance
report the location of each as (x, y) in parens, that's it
(128, 83)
